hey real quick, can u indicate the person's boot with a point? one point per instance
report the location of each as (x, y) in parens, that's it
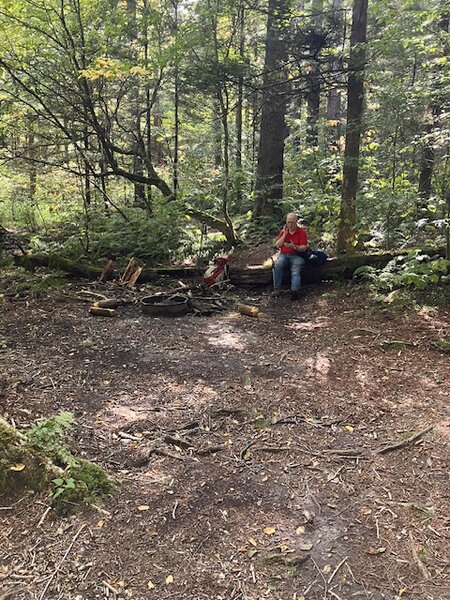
(294, 296)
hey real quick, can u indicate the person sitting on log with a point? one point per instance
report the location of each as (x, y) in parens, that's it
(292, 242)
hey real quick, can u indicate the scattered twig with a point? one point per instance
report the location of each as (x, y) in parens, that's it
(42, 519)
(416, 558)
(333, 574)
(321, 575)
(55, 572)
(210, 450)
(333, 476)
(177, 441)
(248, 446)
(407, 442)
(110, 587)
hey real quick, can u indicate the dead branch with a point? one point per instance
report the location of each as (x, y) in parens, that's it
(55, 572)
(422, 568)
(407, 442)
(210, 450)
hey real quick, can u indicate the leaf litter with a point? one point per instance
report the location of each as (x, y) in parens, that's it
(312, 482)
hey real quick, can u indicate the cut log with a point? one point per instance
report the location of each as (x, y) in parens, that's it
(250, 311)
(98, 311)
(111, 303)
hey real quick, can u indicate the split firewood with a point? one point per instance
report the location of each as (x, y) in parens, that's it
(134, 277)
(246, 309)
(109, 267)
(98, 311)
(130, 268)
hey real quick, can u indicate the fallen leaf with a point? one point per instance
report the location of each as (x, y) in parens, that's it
(100, 523)
(251, 553)
(326, 568)
(265, 478)
(252, 542)
(17, 467)
(151, 585)
(366, 511)
(269, 530)
(169, 579)
(152, 533)
(349, 428)
(375, 551)
(300, 530)
(143, 507)
(306, 546)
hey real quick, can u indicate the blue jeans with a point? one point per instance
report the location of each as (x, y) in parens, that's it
(295, 263)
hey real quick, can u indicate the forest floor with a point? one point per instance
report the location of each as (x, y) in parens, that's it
(256, 457)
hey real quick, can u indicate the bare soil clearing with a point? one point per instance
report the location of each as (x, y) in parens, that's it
(250, 452)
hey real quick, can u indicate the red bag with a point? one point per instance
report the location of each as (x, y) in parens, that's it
(217, 271)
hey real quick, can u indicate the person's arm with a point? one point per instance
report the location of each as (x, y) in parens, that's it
(303, 242)
(282, 237)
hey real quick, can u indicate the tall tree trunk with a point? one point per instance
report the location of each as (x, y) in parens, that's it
(31, 155)
(176, 151)
(140, 199)
(334, 100)
(269, 178)
(239, 105)
(355, 109)
(313, 80)
(428, 154)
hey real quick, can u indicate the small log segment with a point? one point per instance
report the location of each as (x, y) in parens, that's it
(98, 311)
(246, 309)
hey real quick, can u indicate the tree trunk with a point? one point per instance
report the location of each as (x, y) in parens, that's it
(239, 106)
(355, 107)
(176, 105)
(428, 154)
(334, 100)
(313, 81)
(140, 199)
(269, 178)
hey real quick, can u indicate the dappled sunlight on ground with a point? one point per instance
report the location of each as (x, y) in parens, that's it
(317, 323)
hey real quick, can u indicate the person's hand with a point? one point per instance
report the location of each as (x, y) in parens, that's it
(290, 245)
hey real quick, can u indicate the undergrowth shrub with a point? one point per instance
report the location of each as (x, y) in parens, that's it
(415, 270)
(81, 481)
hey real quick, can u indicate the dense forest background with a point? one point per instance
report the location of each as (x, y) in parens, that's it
(169, 129)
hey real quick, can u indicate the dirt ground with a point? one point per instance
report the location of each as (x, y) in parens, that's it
(256, 458)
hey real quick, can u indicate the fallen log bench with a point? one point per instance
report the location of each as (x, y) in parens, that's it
(341, 267)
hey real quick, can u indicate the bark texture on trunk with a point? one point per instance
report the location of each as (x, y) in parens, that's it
(355, 109)
(269, 178)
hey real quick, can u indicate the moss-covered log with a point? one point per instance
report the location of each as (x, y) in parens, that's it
(336, 268)
(22, 467)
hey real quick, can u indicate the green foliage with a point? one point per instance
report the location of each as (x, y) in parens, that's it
(46, 436)
(81, 482)
(414, 270)
(84, 483)
(155, 239)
